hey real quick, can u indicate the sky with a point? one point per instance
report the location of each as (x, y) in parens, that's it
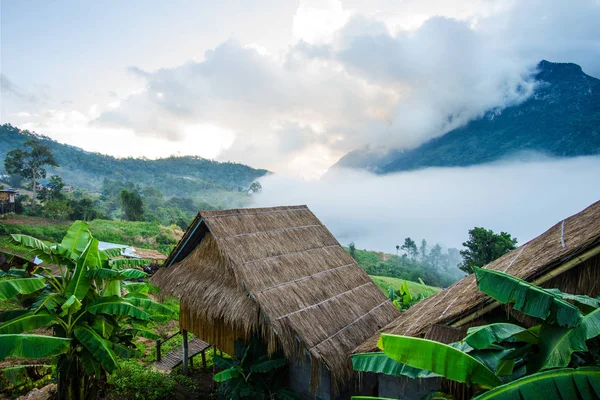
(290, 86)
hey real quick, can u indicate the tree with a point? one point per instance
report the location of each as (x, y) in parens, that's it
(483, 247)
(92, 321)
(352, 248)
(30, 164)
(132, 205)
(397, 249)
(255, 187)
(53, 191)
(410, 247)
(423, 250)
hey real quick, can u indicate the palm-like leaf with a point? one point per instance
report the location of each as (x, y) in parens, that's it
(117, 306)
(567, 384)
(32, 346)
(37, 247)
(481, 337)
(110, 274)
(9, 288)
(99, 347)
(128, 262)
(149, 305)
(26, 322)
(559, 343)
(79, 283)
(227, 374)
(527, 298)
(76, 240)
(380, 363)
(439, 358)
(268, 365)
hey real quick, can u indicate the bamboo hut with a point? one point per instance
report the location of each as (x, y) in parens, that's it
(281, 273)
(566, 256)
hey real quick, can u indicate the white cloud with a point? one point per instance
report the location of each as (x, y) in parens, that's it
(522, 197)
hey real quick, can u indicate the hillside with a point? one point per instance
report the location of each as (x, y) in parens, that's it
(181, 176)
(561, 119)
(416, 289)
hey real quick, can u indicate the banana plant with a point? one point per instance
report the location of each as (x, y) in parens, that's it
(558, 357)
(88, 315)
(252, 374)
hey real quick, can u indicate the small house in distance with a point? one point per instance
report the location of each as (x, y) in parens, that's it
(566, 256)
(278, 272)
(7, 201)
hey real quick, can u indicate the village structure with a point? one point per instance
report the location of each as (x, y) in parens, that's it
(7, 201)
(279, 273)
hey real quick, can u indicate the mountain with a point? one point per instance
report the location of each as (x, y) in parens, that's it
(180, 176)
(560, 119)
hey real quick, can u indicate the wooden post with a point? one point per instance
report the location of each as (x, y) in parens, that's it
(204, 360)
(158, 355)
(212, 382)
(185, 352)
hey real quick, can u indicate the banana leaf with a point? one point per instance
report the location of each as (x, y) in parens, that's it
(20, 375)
(531, 335)
(11, 314)
(32, 346)
(481, 337)
(128, 262)
(496, 361)
(585, 303)
(145, 333)
(79, 283)
(26, 322)
(99, 347)
(15, 273)
(117, 306)
(9, 288)
(149, 305)
(36, 246)
(438, 358)
(558, 344)
(227, 374)
(104, 327)
(566, 383)
(382, 364)
(113, 288)
(140, 287)
(70, 306)
(527, 298)
(109, 274)
(268, 365)
(76, 240)
(49, 300)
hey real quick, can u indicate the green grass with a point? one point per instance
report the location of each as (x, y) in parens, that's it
(141, 234)
(415, 288)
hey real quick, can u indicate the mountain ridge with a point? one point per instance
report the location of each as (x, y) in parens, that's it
(187, 175)
(560, 119)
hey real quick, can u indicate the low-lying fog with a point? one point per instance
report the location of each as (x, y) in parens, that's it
(523, 198)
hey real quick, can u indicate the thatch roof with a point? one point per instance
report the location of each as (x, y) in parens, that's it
(279, 271)
(567, 241)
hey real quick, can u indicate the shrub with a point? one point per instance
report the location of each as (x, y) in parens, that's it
(136, 381)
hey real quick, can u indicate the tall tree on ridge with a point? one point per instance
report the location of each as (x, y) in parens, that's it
(30, 164)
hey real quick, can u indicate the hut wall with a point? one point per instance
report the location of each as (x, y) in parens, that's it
(299, 381)
(406, 388)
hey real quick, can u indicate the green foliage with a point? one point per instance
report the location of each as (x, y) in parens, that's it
(252, 374)
(527, 298)
(559, 384)
(136, 381)
(418, 290)
(437, 269)
(92, 324)
(438, 358)
(133, 206)
(483, 247)
(30, 163)
(526, 363)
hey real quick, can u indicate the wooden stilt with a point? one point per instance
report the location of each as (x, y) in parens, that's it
(204, 360)
(185, 352)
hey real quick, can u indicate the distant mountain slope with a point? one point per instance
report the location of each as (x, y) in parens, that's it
(181, 176)
(562, 118)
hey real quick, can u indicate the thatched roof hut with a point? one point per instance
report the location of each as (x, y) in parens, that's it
(280, 272)
(566, 256)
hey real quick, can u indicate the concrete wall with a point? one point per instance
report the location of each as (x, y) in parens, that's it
(406, 388)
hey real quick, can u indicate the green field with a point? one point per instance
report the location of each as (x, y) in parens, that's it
(415, 288)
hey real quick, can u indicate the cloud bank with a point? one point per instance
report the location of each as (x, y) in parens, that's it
(522, 197)
(357, 78)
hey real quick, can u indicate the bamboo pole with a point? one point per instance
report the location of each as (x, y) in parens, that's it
(185, 352)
